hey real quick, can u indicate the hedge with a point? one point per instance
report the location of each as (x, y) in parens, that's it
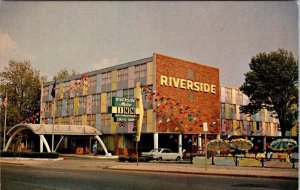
(133, 159)
(29, 154)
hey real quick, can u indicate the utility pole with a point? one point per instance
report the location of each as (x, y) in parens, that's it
(5, 115)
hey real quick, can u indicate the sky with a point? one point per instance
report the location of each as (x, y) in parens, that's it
(87, 36)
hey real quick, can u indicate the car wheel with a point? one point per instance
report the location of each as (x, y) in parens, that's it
(178, 159)
(159, 159)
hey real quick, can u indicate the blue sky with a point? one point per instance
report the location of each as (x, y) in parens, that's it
(86, 36)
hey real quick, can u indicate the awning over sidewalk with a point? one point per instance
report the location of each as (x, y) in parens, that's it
(48, 129)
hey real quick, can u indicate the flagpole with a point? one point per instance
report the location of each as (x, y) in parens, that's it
(41, 100)
(53, 116)
(5, 114)
(52, 144)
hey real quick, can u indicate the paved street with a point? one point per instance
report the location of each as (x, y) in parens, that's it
(39, 177)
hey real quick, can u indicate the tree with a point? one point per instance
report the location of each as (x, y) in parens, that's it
(272, 84)
(64, 73)
(22, 84)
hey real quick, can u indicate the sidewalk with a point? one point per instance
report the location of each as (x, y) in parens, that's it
(99, 163)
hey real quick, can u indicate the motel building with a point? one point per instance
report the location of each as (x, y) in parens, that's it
(182, 102)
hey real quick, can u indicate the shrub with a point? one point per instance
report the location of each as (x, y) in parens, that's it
(122, 158)
(30, 154)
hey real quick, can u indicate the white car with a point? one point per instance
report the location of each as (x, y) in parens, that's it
(163, 154)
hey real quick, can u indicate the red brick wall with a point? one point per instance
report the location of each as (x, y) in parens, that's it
(175, 111)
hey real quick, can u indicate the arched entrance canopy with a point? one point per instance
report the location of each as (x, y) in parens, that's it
(46, 129)
(49, 129)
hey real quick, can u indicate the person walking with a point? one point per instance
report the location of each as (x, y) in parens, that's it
(95, 149)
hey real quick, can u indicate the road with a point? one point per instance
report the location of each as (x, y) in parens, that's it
(14, 177)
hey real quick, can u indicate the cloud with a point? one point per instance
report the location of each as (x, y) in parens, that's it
(7, 44)
(104, 63)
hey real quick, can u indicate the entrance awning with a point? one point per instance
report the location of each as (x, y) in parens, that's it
(48, 129)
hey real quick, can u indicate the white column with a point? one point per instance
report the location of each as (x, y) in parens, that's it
(199, 142)
(180, 143)
(45, 142)
(41, 144)
(102, 145)
(155, 136)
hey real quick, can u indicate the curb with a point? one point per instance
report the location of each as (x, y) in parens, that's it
(204, 173)
(42, 159)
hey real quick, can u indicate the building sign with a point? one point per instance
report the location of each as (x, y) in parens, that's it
(187, 84)
(123, 102)
(123, 109)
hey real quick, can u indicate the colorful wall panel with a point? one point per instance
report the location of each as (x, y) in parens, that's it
(76, 105)
(59, 121)
(114, 80)
(149, 73)
(89, 104)
(98, 122)
(131, 77)
(64, 107)
(222, 96)
(227, 111)
(103, 102)
(150, 122)
(99, 82)
(84, 120)
(234, 96)
(61, 91)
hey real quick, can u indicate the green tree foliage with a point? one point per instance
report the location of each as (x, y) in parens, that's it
(22, 84)
(64, 73)
(272, 83)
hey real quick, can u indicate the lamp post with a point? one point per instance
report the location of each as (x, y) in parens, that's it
(205, 129)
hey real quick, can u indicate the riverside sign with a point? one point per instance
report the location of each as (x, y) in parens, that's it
(187, 84)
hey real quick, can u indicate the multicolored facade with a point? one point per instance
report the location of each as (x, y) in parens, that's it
(180, 99)
(235, 123)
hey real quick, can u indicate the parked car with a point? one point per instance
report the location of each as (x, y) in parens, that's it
(163, 154)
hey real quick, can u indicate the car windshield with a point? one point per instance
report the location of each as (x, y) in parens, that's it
(158, 149)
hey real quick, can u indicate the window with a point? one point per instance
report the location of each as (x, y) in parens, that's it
(125, 74)
(107, 120)
(140, 71)
(122, 75)
(137, 71)
(94, 100)
(106, 78)
(232, 109)
(222, 108)
(239, 94)
(103, 120)
(82, 101)
(128, 93)
(228, 92)
(249, 124)
(92, 81)
(143, 72)
(98, 99)
(70, 104)
(258, 125)
(131, 93)
(91, 120)
(108, 99)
